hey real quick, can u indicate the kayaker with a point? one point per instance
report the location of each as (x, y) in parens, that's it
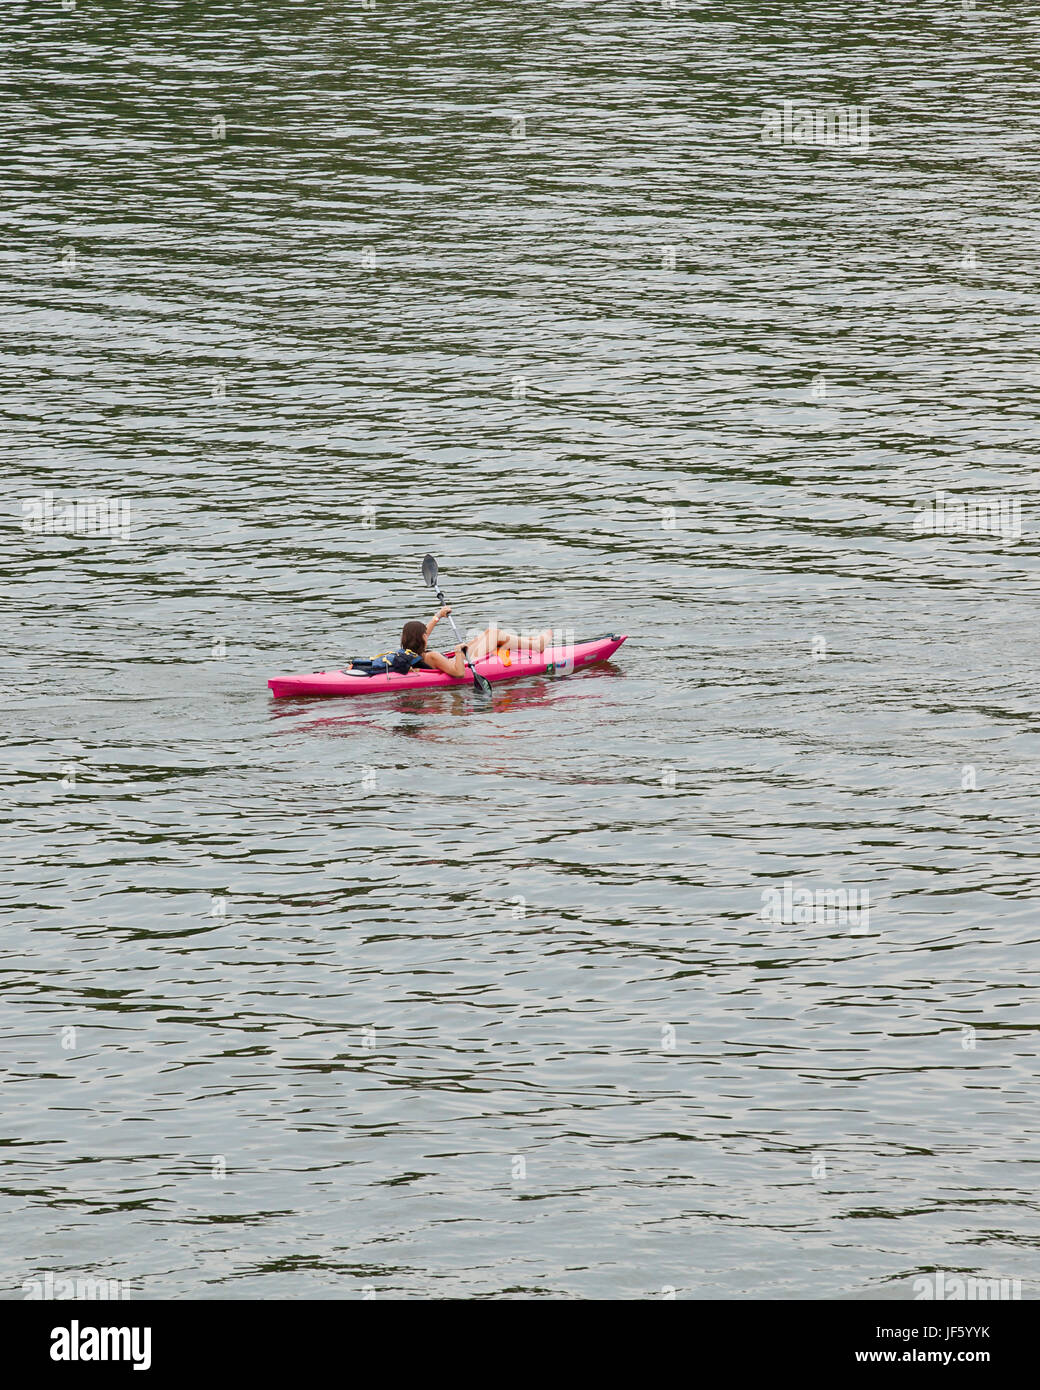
(413, 650)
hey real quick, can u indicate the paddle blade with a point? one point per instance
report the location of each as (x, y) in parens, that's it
(481, 684)
(429, 570)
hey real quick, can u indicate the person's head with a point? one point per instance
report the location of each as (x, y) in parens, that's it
(413, 636)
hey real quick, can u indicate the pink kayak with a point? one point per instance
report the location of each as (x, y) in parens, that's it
(558, 661)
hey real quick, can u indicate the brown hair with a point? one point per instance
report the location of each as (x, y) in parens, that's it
(413, 636)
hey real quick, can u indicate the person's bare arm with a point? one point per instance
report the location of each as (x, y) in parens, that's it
(441, 613)
(450, 665)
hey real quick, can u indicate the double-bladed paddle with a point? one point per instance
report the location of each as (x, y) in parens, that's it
(429, 569)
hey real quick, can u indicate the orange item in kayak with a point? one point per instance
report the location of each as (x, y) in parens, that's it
(504, 656)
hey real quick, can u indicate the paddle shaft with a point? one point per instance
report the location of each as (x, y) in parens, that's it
(458, 637)
(458, 634)
(480, 683)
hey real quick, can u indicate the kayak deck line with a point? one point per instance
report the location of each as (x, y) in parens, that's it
(554, 661)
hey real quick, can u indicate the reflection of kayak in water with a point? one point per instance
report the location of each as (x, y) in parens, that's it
(415, 712)
(554, 661)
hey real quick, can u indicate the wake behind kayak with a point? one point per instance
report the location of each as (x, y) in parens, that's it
(558, 661)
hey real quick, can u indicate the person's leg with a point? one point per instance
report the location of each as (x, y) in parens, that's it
(492, 638)
(533, 642)
(487, 641)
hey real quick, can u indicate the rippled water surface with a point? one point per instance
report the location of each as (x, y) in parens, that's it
(434, 998)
